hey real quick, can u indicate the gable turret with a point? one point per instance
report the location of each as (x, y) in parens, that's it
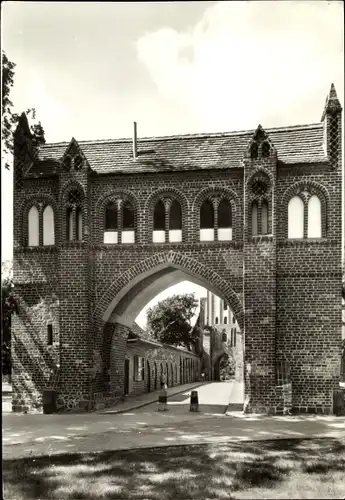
(331, 118)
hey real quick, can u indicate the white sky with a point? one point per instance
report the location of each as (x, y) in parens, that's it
(91, 68)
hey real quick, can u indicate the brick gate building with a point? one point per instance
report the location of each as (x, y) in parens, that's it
(101, 227)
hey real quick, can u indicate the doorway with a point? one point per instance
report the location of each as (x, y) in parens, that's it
(148, 376)
(126, 376)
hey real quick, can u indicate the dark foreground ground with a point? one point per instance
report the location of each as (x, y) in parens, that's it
(282, 468)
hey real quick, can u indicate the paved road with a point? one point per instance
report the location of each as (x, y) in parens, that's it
(213, 399)
(34, 435)
(41, 435)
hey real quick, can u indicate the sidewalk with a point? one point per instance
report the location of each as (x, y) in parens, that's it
(6, 388)
(135, 402)
(6, 397)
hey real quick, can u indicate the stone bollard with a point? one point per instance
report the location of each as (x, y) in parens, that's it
(49, 401)
(162, 400)
(194, 401)
(339, 402)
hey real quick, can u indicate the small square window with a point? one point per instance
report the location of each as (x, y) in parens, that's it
(50, 334)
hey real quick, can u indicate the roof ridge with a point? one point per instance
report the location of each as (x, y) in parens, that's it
(186, 136)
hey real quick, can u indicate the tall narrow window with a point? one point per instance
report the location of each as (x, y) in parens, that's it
(207, 221)
(48, 226)
(254, 218)
(314, 217)
(128, 223)
(175, 222)
(69, 225)
(33, 227)
(78, 162)
(79, 224)
(74, 216)
(67, 162)
(224, 221)
(264, 217)
(159, 223)
(265, 151)
(110, 233)
(254, 150)
(225, 321)
(295, 218)
(216, 320)
(50, 334)
(111, 217)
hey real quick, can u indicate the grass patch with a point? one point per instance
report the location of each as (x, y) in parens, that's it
(294, 468)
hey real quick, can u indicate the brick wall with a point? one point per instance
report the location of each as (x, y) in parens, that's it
(160, 360)
(285, 294)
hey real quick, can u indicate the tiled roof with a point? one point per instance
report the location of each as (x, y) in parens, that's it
(297, 144)
(138, 332)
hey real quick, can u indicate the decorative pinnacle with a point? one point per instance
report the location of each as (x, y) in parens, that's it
(332, 92)
(332, 105)
(23, 125)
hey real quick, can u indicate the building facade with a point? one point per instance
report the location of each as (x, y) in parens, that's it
(221, 334)
(101, 227)
(147, 360)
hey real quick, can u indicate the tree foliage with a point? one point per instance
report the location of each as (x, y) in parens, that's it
(9, 119)
(169, 321)
(227, 366)
(8, 306)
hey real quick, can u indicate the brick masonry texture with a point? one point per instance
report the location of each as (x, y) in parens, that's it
(285, 294)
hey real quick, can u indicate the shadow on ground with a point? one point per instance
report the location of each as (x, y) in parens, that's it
(308, 468)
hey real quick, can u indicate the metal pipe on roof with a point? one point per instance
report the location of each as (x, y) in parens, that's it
(135, 151)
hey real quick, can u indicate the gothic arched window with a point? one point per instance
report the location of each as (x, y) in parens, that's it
(48, 226)
(224, 221)
(111, 217)
(264, 217)
(175, 222)
(79, 224)
(159, 223)
(128, 223)
(254, 214)
(74, 216)
(314, 217)
(207, 221)
(33, 227)
(295, 218)
(119, 222)
(111, 223)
